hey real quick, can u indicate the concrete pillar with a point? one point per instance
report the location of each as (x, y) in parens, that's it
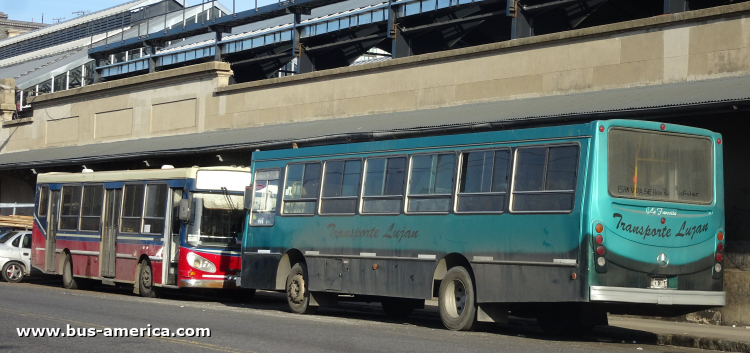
(305, 62)
(674, 6)
(7, 98)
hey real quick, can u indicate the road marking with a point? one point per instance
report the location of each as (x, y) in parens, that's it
(168, 339)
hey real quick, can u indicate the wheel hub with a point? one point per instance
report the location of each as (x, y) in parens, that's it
(297, 289)
(455, 298)
(13, 272)
(146, 278)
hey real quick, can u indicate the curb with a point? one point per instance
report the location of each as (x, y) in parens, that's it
(702, 343)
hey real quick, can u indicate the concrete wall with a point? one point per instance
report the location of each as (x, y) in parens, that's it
(677, 47)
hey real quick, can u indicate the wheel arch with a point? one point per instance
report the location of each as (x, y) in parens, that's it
(291, 257)
(446, 263)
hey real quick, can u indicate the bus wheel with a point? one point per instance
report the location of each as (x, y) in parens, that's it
(398, 308)
(457, 302)
(69, 281)
(146, 282)
(13, 272)
(297, 294)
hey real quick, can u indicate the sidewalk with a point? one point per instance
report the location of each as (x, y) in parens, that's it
(682, 334)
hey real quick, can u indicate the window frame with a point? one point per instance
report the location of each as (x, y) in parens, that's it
(362, 197)
(357, 198)
(407, 185)
(145, 201)
(80, 214)
(39, 205)
(307, 199)
(513, 191)
(122, 208)
(278, 199)
(80, 208)
(509, 182)
(712, 164)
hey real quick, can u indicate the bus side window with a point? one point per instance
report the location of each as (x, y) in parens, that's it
(545, 179)
(301, 188)
(384, 185)
(431, 182)
(132, 208)
(156, 208)
(43, 204)
(71, 207)
(483, 181)
(264, 197)
(340, 187)
(93, 197)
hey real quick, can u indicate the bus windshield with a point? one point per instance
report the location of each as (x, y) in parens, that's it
(217, 220)
(659, 166)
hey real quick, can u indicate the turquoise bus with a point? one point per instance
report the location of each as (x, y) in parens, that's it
(562, 223)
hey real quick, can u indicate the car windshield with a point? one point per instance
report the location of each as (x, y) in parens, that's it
(217, 220)
(6, 236)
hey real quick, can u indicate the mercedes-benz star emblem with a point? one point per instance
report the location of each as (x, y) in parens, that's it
(662, 260)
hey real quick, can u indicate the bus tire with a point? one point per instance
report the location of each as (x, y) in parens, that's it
(146, 282)
(13, 272)
(457, 302)
(297, 294)
(398, 308)
(69, 281)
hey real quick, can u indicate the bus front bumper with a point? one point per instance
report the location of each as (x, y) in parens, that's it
(657, 296)
(229, 282)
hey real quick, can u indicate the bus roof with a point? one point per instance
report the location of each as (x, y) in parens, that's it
(127, 175)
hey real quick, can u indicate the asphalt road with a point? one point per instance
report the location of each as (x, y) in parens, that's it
(263, 325)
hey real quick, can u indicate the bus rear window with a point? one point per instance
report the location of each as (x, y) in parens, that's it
(660, 166)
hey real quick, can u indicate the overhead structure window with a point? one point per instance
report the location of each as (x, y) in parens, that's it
(545, 179)
(341, 187)
(483, 182)
(384, 185)
(132, 208)
(431, 182)
(70, 208)
(265, 197)
(91, 213)
(43, 203)
(156, 208)
(301, 188)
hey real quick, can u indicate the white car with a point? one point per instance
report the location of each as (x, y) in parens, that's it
(15, 255)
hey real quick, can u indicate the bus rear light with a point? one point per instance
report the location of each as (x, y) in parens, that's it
(663, 127)
(663, 220)
(601, 261)
(720, 236)
(600, 239)
(600, 250)
(717, 268)
(599, 228)
(720, 247)
(718, 141)
(601, 128)
(719, 257)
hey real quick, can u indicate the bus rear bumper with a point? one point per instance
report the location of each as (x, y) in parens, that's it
(657, 296)
(202, 283)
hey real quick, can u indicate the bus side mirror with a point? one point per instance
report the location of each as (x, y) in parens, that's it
(248, 197)
(184, 209)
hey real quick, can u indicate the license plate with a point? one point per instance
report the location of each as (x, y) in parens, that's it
(659, 283)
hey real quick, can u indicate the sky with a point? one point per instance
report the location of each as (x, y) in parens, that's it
(26, 10)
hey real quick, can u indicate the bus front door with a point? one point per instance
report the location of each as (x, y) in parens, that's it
(50, 246)
(107, 255)
(172, 238)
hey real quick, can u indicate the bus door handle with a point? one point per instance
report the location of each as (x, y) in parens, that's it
(26, 254)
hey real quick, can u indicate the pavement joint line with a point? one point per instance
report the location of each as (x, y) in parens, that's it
(168, 339)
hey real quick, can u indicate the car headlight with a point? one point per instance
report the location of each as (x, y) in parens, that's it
(200, 263)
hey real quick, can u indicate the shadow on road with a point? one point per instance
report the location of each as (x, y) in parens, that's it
(428, 317)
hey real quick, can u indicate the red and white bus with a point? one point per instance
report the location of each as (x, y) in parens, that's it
(164, 228)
